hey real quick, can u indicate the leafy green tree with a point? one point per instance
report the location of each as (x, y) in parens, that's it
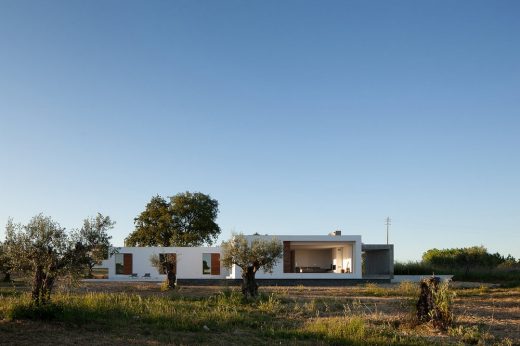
(510, 262)
(187, 220)
(94, 237)
(194, 216)
(5, 263)
(153, 227)
(44, 250)
(251, 256)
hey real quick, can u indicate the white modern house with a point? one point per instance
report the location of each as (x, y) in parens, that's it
(332, 256)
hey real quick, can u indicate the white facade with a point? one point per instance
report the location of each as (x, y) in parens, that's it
(305, 257)
(189, 263)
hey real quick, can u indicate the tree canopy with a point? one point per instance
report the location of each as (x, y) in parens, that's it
(467, 258)
(188, 219)
(94, 236)
(43, 248)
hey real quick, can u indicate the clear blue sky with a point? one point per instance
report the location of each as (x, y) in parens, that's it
(299, 117)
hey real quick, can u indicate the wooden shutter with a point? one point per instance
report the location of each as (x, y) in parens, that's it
(287, 257)
(215, 264)
(127, 263)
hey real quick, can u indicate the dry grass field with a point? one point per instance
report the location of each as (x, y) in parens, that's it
(369, 314)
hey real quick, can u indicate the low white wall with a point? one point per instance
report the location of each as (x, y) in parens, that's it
(417, 278)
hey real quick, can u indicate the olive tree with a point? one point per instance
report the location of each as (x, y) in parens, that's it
(251, 256)
(166, 263)
(44, 250)
(94, 236)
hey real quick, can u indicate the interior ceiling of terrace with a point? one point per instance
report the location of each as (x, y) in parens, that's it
(301, 245)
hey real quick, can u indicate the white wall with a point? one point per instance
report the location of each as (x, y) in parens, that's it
(347, 258)
(189, 262)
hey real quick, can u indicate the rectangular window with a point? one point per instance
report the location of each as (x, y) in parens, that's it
(206, 263)
(120, 264)
(123, 263)
(211, 264)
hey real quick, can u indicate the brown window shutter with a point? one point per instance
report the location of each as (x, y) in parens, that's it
(127, 263)
(215, 264)
(287, 257)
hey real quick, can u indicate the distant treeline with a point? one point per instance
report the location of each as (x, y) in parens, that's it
(471, 263)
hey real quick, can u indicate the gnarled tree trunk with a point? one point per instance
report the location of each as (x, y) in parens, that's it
(42, 286)
(48, 285)
(249, 286)
(171, 277)
(37, 290)
(171, 273)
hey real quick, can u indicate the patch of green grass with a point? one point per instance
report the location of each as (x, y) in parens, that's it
(470, 335)
(113, 310)
(471, 292)
(269, 303)
(406, 289)
(337, 328)
(29, 311)
(9, 292)
(351, 330)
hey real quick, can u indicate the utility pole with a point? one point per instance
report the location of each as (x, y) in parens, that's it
(388, 222)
